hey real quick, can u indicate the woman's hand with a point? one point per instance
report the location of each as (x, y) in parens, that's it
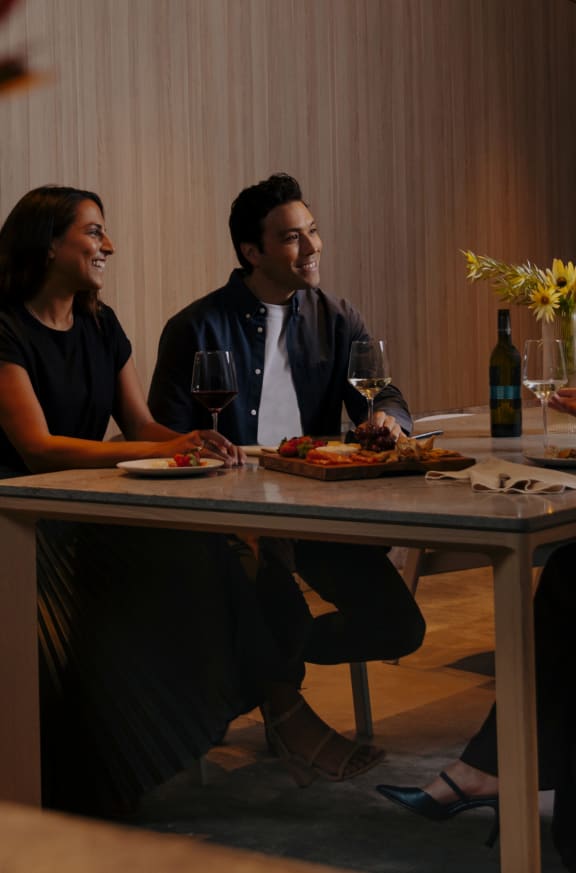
(23, 421)
(564, 401)
(211, 445)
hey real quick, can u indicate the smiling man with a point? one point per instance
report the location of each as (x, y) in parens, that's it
(291, 343)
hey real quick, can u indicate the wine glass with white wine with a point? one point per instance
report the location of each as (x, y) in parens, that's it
(369, 370)
(543, 372)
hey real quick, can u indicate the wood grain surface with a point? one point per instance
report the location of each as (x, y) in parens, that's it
(416, 127)
(301, 467)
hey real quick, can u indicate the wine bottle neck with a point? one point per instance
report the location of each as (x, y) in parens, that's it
(504, 328)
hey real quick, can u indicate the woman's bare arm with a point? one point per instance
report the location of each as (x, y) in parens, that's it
(24, 423)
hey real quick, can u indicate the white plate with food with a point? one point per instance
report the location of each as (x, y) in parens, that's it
(548, 460)
(166, 467)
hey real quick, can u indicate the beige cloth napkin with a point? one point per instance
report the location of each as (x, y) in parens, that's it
(493, 474)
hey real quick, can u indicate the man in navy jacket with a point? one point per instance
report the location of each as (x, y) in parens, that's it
(291, 343)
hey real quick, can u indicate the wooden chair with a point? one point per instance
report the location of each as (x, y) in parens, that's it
(361, 700)
(415, 564)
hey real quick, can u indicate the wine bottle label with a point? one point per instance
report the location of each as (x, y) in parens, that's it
(504, 392)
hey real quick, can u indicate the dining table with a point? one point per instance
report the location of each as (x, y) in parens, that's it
(406, 510)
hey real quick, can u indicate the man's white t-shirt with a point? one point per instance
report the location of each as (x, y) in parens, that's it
(278, 415)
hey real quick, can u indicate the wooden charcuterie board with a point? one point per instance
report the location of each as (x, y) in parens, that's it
(300, 467)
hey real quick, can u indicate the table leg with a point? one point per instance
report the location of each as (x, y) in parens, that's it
(515, 695)
(19, 697)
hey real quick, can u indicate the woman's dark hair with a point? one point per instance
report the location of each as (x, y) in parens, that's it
(40, 217)
(253, 205)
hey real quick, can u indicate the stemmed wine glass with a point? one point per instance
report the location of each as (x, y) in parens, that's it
(543, 372)
(369, 370)
(214, 382)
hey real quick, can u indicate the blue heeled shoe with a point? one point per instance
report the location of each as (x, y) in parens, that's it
(423, 804)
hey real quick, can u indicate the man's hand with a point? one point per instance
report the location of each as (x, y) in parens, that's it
(381, 419)
(564, 401)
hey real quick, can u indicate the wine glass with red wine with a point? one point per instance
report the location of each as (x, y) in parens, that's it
(214, 381)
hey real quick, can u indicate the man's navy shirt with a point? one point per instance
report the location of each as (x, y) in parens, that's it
(319, 334)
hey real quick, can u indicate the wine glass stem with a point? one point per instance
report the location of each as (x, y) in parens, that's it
(215, 421)
(545, 421)
(370, 410)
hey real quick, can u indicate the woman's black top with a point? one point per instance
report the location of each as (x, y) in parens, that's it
(73, 373)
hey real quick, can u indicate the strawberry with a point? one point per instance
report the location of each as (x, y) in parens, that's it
(288, 448)
(188, 460)
(298, 447)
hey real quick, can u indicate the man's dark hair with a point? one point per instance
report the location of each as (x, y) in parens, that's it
(40, 217)
(253, 205)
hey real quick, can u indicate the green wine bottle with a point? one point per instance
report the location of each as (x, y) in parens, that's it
(505, 381)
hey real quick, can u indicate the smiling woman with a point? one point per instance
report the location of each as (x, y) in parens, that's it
(115, 608)
(65, 362)
(64, 225)
(75, 268)
(76, 260)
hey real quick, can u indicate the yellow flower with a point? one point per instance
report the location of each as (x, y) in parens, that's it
(562, 276)
(549, 293)
(544, 300)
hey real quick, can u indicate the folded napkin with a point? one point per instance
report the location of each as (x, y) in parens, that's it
(493, 474)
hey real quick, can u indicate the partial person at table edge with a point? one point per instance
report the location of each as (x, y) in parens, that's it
(472, 781)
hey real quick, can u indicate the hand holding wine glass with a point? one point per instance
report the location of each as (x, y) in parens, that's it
(369, 370)
(544, 372)
(214, 382)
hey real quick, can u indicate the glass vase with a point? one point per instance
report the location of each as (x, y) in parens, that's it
(563, 328)
(566, 325)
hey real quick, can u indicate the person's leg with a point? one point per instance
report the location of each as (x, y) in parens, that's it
(150, 644)
(307, 745)
(279, 615)
(565, 800)
(554, 612)
(376, 617)
(269, 566)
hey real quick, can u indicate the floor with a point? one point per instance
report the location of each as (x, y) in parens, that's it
(424, 709)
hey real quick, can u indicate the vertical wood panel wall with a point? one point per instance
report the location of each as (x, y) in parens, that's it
(416, 127)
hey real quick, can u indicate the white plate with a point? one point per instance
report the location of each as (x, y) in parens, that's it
(550, 461)
(159, 467)
(442, 417)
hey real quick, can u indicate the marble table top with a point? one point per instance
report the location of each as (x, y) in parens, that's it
(395, 499)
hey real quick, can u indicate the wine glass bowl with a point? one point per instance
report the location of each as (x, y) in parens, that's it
(369, 370)
(214, 383)
(544, 372)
